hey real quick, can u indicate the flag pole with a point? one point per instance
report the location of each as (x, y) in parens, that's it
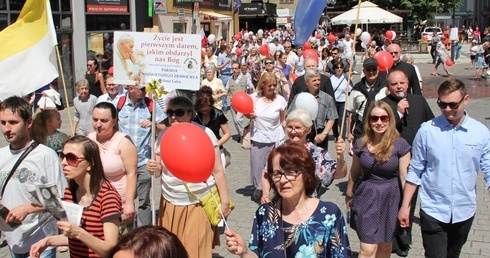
(153, 140)
(60, 66)
(341, 156)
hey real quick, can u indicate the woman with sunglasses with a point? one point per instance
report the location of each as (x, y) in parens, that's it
(282, 83)
(298, 126)
(179, 212)
(98, 230)
(340, 85)
(294, 224)
(118, 154)
(216, 85)
(266, 127)
(212, 118)
(376, 181)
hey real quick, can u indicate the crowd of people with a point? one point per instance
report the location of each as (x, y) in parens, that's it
(106, 166)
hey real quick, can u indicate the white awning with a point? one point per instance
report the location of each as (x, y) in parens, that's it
(218, 16)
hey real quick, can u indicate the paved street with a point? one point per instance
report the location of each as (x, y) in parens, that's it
(240, 220)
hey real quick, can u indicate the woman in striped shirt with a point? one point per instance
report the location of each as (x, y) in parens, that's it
(98, 229)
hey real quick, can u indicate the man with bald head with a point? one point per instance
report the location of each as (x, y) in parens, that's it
(300, 84)
(408, 69)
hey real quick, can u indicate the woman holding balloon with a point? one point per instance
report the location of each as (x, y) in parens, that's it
(179, 211)
(267, 127)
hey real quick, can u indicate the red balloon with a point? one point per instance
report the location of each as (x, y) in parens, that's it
(183, 142)
(385, 60)
(389, 34)
(238, 36)
(449, 62)
(318, 36)
(242, 103)
(307, 45)
(425, 37)
(311, 53)
(238, 51)
(331, 38)
(294, 77)
(264, 50)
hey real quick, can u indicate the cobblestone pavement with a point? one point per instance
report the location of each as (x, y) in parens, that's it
(240, 220)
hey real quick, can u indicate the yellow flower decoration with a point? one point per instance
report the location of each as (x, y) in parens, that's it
(155, 87)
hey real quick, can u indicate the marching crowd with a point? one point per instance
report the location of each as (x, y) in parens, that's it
(400, 151)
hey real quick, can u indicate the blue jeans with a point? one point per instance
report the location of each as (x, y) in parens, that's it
(224, 79)
(49, 253)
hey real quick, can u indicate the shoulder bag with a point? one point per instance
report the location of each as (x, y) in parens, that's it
(17, 163)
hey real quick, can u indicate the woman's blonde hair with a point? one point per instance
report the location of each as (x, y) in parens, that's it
(266, 78)
(383, 150)
(39, 131)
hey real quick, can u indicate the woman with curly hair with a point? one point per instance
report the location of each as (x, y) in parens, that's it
(45, 127)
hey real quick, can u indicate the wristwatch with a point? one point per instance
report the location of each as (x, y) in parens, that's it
(325, 133)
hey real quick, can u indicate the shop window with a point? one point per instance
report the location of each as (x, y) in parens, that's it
(55, 5)
(3, 21)
(3, 4)
(17, 4)
(107, 22)
(65, 6)
(180, 27)
(66, 21)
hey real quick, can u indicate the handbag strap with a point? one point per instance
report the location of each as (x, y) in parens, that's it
(17, 163)
(190, 192)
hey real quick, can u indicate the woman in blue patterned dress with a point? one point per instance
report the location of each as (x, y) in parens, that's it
(294, 224)
(298, 126)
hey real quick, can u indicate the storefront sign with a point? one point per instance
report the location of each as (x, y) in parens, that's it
(107, 6)
(160, 6)
(172, 58)
(251, 8)
(205, 4)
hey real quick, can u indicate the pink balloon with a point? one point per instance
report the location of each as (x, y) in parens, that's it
(385, 60)
(242, 103)
(183, 142)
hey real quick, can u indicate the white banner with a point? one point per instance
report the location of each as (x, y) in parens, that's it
(175, 59)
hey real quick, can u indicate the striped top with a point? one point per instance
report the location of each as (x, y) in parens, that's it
(105, 206)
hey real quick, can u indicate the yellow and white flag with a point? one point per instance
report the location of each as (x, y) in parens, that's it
(27, 56)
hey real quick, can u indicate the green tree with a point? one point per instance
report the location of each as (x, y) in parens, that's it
(421, 9)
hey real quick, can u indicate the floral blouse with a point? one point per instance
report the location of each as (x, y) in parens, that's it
(326, 167)
(322, 235)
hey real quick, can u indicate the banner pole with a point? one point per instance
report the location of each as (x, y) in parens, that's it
(60, 69)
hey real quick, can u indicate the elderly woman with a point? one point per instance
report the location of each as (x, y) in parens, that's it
(179, 211)
(407, 58)
(382, 158)
(118, 154)
(294, 224)
(298, 125)
(327, 111)
(282, 83)
(267, 127)
(216, 85)
(97, 232)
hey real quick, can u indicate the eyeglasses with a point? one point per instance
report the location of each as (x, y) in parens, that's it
(289, 175)
(72, 159)
(267, 63)
(178, 112)
(452, 105)
(296, 129)
(394, 53)
(384, 118)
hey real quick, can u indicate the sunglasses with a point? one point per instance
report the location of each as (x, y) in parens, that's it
(90, 65)
(384, 118)
(394, 53)
(269, 63)
(72, 159)
(339, 67)
(452, 105)
(178, 112)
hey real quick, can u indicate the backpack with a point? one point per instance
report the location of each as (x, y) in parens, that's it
(122, 101)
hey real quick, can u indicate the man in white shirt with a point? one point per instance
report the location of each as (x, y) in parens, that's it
(114, 91)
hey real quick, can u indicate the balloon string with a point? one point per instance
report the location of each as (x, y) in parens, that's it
(219, 209)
